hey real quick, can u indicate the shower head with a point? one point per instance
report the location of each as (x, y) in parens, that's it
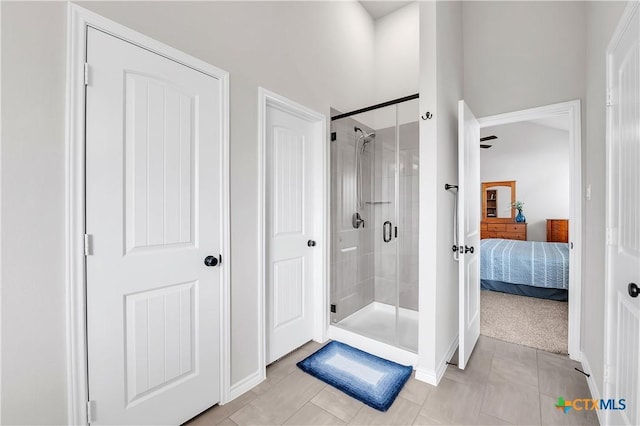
(366, 137)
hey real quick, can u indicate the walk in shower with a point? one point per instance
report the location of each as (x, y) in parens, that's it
(374, 222)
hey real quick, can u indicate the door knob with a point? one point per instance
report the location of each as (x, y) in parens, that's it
(468, 249)
(634, 290)
(211, 261)
(357, 220)
(311, 243)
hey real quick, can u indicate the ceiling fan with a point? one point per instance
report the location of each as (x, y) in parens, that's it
(487, 138)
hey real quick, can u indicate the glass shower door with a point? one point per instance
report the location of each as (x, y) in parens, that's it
(385, 206)
(408, 210)
(374, 224)
(364, 248)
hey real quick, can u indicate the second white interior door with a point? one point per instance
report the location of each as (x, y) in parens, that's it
(290, 226)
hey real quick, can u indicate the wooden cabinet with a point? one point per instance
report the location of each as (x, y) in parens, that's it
(508, 231)
(558, 230)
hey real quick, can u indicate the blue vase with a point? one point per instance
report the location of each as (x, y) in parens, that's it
(520, 217)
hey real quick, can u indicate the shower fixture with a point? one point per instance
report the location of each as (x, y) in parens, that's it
(368, 137)
(365, 138)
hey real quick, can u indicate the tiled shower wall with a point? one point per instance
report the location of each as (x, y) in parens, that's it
(352, 251)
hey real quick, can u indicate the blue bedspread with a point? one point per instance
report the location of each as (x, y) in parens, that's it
(535, 263)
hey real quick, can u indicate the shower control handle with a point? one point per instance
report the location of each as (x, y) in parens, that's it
(386, 231)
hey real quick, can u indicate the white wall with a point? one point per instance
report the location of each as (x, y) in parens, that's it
(425, 370)
(441, 82)
(537, 158)
(602, 18)
(397, 54)
(520, 55)
(450, 81)
(319, 54)
(32, 152)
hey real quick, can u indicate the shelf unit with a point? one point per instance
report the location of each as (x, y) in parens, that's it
(492, 203)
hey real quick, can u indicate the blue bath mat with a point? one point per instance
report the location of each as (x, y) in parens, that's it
(368, 378)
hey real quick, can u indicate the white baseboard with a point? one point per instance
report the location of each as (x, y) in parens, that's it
(427, 375)
(593, 386)
(442, 366)
(433, 376)
(245, 385)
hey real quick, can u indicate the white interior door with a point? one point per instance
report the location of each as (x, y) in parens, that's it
(623, 222)
(468, 232)
(290, 222)
(153, 213)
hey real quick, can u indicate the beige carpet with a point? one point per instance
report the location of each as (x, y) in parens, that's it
(528, 321)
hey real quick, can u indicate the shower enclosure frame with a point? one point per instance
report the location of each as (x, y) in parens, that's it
(337, 332)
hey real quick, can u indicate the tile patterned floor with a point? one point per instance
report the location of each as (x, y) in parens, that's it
(503, 384)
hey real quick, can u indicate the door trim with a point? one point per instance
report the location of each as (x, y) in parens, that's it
(609, 287)
(78, 22)
(321, 290)
(572, 109)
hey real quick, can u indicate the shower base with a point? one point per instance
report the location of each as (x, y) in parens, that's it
(373, 329)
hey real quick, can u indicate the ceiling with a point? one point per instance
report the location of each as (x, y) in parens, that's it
(560, 122)
(378, 9)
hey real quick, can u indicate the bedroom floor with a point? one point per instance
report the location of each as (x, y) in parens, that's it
(504, 383)
(529, 321)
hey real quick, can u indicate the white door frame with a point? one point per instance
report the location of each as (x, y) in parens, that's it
(78, 22)
(572, 110)
(320, 286)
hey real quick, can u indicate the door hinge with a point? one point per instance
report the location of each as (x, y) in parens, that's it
(86, 74)
(612, 236)
(333, 308)
(334, 136)
(87, 245)
(91, 411)
(609, 97)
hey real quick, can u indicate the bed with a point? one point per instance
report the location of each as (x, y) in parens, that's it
(528, 268)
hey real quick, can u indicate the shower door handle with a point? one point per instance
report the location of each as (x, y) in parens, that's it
(386, 231)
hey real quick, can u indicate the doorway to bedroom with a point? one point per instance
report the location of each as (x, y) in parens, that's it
(530, 230)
